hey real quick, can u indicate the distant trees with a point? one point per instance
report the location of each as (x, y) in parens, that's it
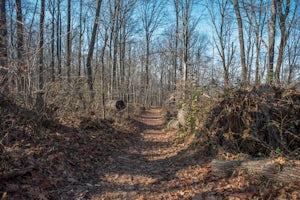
(143, 50)
(151, 13)
(224, 36)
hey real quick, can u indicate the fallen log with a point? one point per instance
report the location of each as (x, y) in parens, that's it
(116, 105)
(269, 168)
(224, 168)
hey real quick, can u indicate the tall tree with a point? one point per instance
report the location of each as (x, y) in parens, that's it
(20, 40)
(58, 39)
(80, 39)
(284, 11)
(271, 42)
(241, 41)
(175, 51)
(151, 16)
(256, 17)
(293, 54)
(3, 48)
(91, 51)
(39, 100)
(185, 16)
(52, 11)
(68, 42)
(222, 26)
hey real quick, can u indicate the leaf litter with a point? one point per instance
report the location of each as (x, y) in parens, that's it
(91, 158)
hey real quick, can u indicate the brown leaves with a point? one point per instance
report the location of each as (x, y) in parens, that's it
(261, 121)
(95, 159)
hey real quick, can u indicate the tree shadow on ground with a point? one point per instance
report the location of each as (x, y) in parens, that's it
(71, 161)
(134, 172)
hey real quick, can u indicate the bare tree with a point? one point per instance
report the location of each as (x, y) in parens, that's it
(284, 11)
(3, 48)
(256, 18)
(68, 42)
(58, 39)
(293, 55)
(241, 40)
(52, 11)
(222, 26)
(20, 40)
(271, 43)
(39, 99)
(175, 51)
(151, 16)
(80, 38)
(91, 51)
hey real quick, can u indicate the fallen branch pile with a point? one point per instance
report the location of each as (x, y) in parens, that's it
(260, 121)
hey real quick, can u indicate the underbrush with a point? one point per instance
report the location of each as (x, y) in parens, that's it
(261, 121)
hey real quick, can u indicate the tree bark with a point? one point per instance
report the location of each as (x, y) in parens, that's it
(91, 51)
(68, 42)
(3, 49)
(241, 40)
(52, 67)
(39, 100)
(58, 39)
(271, 47)
(285, 33)
(20, 40)
(175, 54)
(80, 40)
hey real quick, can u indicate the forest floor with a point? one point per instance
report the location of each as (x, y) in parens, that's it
(137, 160)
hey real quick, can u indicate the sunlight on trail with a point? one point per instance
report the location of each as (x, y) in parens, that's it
(139, 170)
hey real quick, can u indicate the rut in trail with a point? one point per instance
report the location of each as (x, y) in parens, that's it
(148, 167)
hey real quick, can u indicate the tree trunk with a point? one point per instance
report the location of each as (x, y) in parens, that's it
(146, 83)
(3, 49)
(58, 39)
(39, 99)
(52, 43)
(175, 54)
(284, 36)
(103, 72)
(241, 40)
(20, 40)
(80, 40)
(91, 51)
(257, 46)
(272, 30)
(68, 42)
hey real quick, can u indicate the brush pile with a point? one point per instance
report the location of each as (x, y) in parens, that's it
(263, 121)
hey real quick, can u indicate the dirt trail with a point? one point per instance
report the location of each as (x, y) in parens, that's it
(149, 167)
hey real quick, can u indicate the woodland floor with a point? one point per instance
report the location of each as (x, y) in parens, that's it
(139, 160)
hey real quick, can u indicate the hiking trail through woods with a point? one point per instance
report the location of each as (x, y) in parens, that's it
(150, 166)
(136, 159)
